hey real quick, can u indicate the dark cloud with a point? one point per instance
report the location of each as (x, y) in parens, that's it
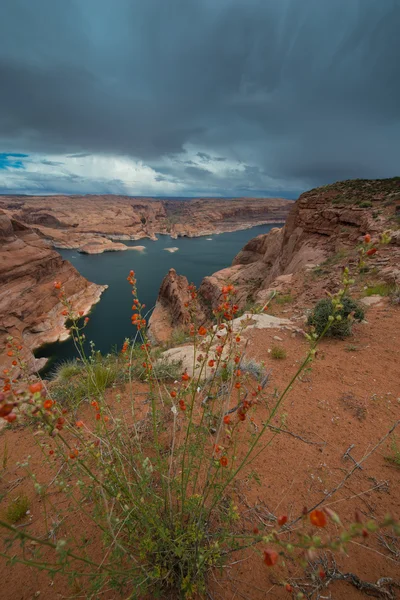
(299, 92)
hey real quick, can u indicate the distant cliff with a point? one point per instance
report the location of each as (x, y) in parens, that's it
(29, 307)
(95, 222)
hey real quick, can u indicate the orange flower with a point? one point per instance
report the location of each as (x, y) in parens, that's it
(51, 452)
(211, 363)
(318, 518)
(367, 238)
(14, 363)
(282, 520)
(36, 387)
(237, 339)
(47, 404)
(202, 331)
(241, 415)
(64, 312)
(95, 404)
(86, 321)
(223, 461)
(288, 588)
(74, 453)
(98, 416)
(238, 385)
(270, 557)
(236, 359)
(5, 410)
(185, 377)
(173, 394)
(372, 251)
(10, 418)
(57, 285)
(219, 349)
(10, 353)
(81, 313)
(79, 423)
(182, 405)
(227, 419)
(256, 531)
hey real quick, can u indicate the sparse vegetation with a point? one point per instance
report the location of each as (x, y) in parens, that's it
(17, 509)
(278, 353)
(394, 457)
(380, 289)
(283, 298)
(342, 318)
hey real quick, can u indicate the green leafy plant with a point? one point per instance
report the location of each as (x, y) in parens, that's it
(342, 316)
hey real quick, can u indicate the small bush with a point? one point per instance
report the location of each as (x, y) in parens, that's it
(16, 511)
(278, 353)
(340, 327)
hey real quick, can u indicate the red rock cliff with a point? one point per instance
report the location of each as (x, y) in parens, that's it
(29, 308)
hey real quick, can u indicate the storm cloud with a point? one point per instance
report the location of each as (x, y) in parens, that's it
(256, 96)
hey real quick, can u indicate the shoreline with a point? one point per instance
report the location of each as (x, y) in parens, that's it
(153, 236)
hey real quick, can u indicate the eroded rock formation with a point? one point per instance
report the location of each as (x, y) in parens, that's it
(323, 223)
(30, 310)
(171, 309)
(90, 222)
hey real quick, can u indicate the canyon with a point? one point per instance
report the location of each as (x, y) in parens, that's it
(95, 224)
(304, 258)
(31, 227)
(30, 309)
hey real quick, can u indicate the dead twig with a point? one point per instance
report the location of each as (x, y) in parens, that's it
(298, 437)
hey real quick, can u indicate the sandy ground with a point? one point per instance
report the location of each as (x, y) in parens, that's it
(349, 398)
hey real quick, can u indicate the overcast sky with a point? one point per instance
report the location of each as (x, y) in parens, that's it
(197, 97)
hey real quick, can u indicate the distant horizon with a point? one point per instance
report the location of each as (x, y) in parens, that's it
(155, 197)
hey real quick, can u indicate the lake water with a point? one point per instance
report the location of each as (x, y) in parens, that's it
(110, 320)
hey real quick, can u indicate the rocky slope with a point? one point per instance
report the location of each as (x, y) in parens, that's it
(30, 310)
(320, 236)
(93, 223)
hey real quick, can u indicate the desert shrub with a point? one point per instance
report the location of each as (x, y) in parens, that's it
(17, 509)
(278, 353)
(341, 318)
(158, 482)
(74, 381)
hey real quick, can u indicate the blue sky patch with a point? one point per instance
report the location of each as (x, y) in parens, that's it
(10, 160)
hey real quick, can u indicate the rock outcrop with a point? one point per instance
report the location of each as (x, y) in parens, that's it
(89, 222)
(30, 310)
(323, 223)
(171, 310)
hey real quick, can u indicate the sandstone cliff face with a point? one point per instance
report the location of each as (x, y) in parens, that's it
(171, 309)
(29, 308)
(90, 222)
(322, 223)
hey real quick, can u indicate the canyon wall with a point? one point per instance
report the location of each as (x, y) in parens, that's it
(30, 310)
(323, 223)
(94, 223)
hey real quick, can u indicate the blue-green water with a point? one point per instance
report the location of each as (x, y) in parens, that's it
(110, 319)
